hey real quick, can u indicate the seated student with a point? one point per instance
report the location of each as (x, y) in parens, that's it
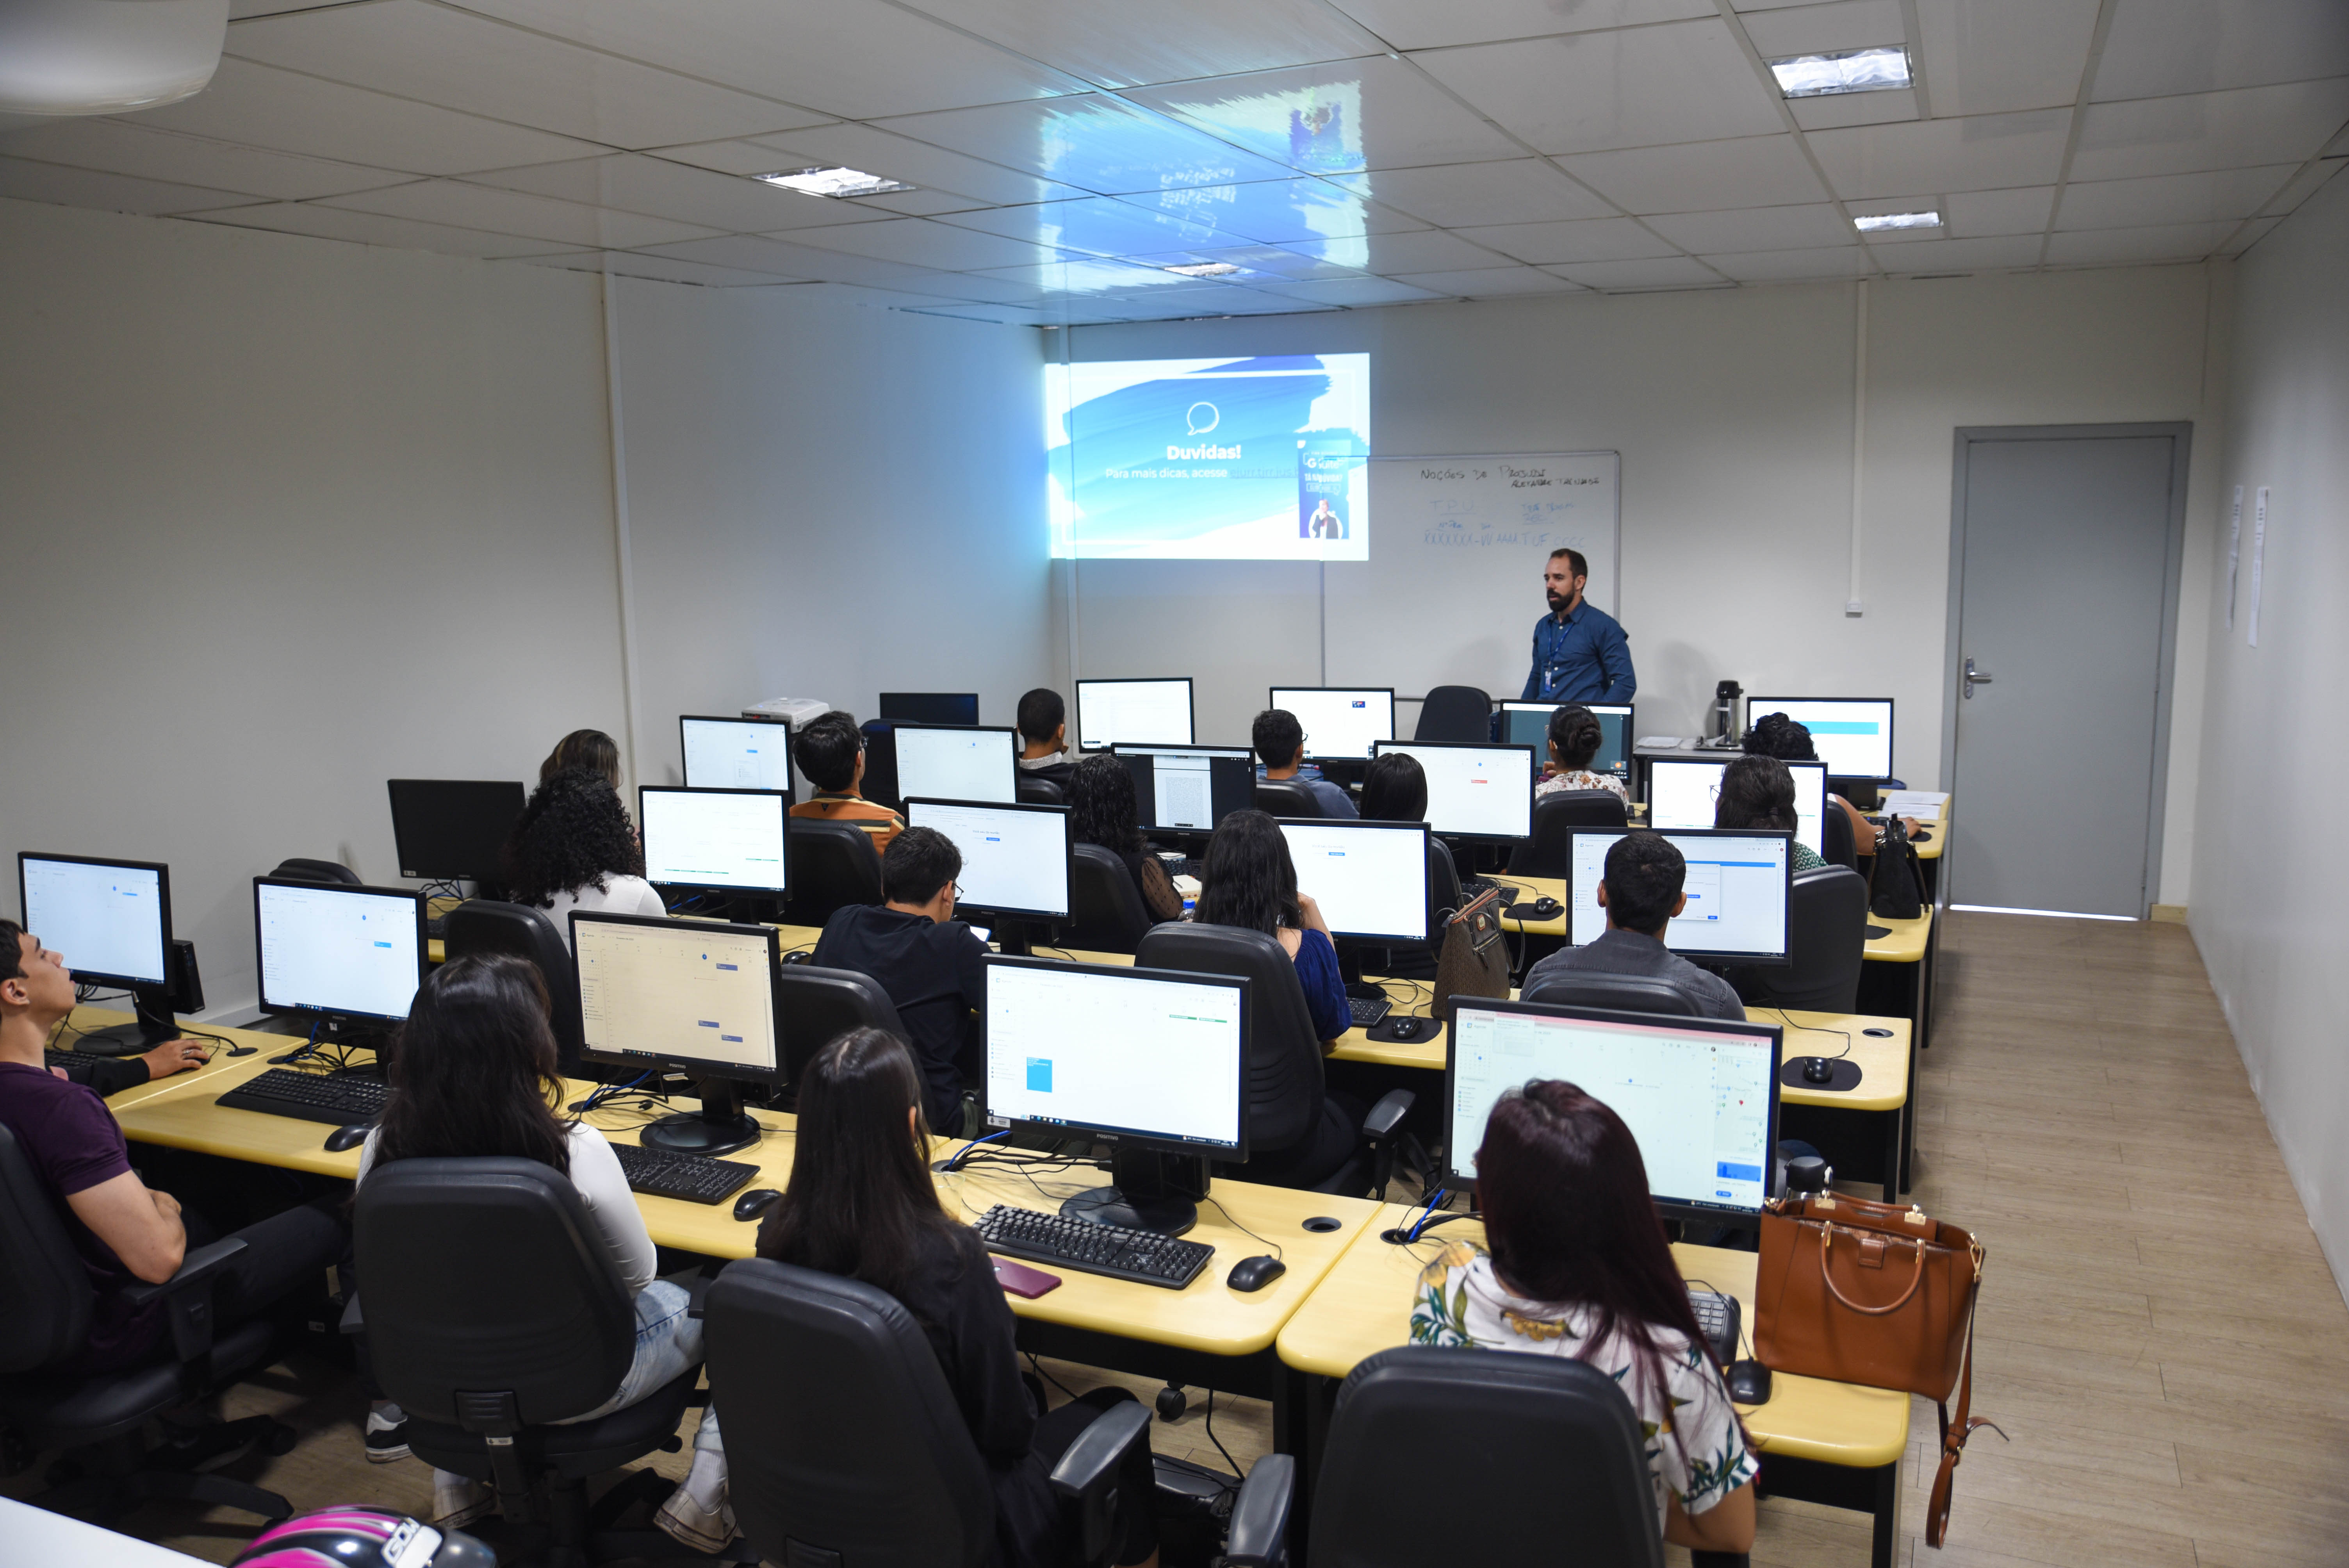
(574, 847)
(1641, 891)
(112, 1075)
(861, 1205)
(1575, 738)
(589, 748)
(475, 1077)
(831, 752)
(930, 963)
(1279, 742)
(1579, 1267)
(1394, 789)
(1251, 880)
(1101, 810)
(1775, 735)
(1044, 738)
(1758, 792)
(122, 1229)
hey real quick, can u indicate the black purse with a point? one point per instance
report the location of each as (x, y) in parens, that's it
(1896, 883)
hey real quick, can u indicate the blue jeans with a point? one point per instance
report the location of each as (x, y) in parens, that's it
(667, 1342)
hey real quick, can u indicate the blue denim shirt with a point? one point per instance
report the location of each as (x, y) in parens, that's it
(1335, 801)
(1585, 658)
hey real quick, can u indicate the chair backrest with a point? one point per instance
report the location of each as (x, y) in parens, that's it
(818, 1006)
(484, 925)
(1444, 895)
(45, 1292)
(298, 869)
(1560, 1474)
(1105, 911)
(1549, 851)
(1455, 713)
(843, 1443)
(1827, 917)
(1285, 797)
(1837, 846)
(881, 764)
(1035, 791)
(1624, 993)
(1284, 1066)
(832, 866)
(488, 1277)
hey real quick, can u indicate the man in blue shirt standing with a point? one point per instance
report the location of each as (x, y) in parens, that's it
(1581, 654)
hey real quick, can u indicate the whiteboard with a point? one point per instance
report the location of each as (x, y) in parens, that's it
(1452, 587)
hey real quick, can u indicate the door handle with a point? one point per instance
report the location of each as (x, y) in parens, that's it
(1974, 676)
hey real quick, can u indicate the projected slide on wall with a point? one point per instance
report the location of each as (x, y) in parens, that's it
(1247, 460)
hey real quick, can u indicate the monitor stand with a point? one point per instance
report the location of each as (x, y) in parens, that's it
(1147, 1191)
(155, 1024)
(719, 1126)
(1013, 938)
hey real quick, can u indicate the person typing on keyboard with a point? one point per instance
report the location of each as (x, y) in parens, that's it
(862, 1204)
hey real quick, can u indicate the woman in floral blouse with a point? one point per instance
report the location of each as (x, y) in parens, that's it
(1579, 1267)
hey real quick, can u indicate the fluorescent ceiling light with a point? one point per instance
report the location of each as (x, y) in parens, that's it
(1205, 270)
(833, 182)
(1870, 222)
(1846, 71)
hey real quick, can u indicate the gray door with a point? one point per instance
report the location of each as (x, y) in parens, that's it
(2065, 583)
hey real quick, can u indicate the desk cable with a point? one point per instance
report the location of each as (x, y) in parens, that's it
(1243, 1230)
(1845, 1035)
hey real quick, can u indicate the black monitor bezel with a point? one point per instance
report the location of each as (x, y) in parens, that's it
(697, 1071)
(1190, 704)
(1666, 1208)
(1120, 1137)
(1306, 753)
(1533, 779)
(1891, 732)
(1354, 824)
(1722, 760)
(261, 970)
(1011, 768)
(1245, 755)
(1756, 960)
(471, 874)
(1067, 849)
(163, 899)
(883, 710)
(644, 826)
(683, 752)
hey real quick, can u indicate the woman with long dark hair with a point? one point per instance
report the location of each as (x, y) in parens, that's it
(1579, 1267)
(1777, 735)
(862, 1204)
(1103, 810)
(1575, 737)
(1394, 789)
(1249, 881)
(574, 847)
(474, 1076)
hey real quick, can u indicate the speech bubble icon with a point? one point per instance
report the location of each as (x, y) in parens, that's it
(1191, 418)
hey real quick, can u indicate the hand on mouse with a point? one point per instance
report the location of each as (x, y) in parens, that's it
(173, 1057)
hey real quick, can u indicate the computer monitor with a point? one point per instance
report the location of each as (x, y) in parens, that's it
(715, 840)
(1736, 886)
(930, 707)
(736, 753)
(1682, 791)
(452, 829)
(1153, 1062)
(1341, 723)
(1370, 878)
(693, 993)
(957, 762)
(1852, 735)
(333, 952)
(1473, 791)
(1154, 712)
(1527, 724)
(1015, 858)
(1188, 788)
(1699, 1095)
(111, 922)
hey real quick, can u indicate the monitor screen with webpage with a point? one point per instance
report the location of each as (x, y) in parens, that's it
(1473, 791)
(1683, 792)
(1853, 735)
(719, 839)
(332, 950)
(1736, 885)
(1188, 788)
(1154, 712)
(1341, 723)
(109, 920)
(957, 762)
(736, 753)
(1369, 878)
(695, 993)
(1015, 858)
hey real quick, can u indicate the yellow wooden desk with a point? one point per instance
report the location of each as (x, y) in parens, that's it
(87, 1018)
(1534, 887)
(1834, 1443)
(1899, 975)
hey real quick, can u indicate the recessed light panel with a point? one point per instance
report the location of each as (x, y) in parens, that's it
(1207, 270)
(1873, 222)
(834, 182)
(1846, 71)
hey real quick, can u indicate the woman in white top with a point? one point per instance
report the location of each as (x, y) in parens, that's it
(1574, 740)
(574, 847)
(1579, 1267)
(475, 1076)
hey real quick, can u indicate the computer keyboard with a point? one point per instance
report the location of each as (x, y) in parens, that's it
(694, 1178)
(1144, 1256)
(1719, 1316)
(436, 928)
(1367, 1011)
(1474, 888)
(330, 1097)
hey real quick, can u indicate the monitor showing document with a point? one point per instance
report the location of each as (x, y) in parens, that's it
(736, 753)
(1188, 788)
(1154, 712)
(717, 840)
(1015, 858)
(1736, 885)
(1370, 878)
(957, 762)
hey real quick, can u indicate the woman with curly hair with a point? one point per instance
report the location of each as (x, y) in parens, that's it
(589, 748)
(573, 848)
(1103, 810)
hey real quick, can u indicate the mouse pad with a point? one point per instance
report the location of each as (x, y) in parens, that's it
(1871, 931)
(1847, 1076)
(1429, 1029)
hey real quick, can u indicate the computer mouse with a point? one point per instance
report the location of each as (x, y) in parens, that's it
(1544, 909)
(799, 958)
(349, 1137)
(1255, 1274)
(1749, 1382)
(1403, 1028)
(755, 1203)
(1818, 1070)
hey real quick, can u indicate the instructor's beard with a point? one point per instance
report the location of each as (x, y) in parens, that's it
(1559, 603)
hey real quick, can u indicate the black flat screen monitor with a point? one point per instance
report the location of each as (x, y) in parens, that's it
(1370, 878)
(930, 707)
(1157, 711)
(957, 762)
(330, 950)
(1015, 858)
(1476, 791)
(715, 840)
(111, 921)
(1188, 788)
(735, 753)
(1341, 723)
(1852, 735)
(452, 829)
(1736, 884)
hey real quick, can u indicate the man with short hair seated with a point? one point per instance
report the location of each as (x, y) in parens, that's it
(1640, 892)
(1044, 738)
(831, 752)
(1279, 742)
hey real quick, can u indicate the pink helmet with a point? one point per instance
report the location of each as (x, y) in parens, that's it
(357, 1536)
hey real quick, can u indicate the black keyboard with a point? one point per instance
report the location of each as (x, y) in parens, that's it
(436, 928)
(1367, 1011)
(694, 1178)
(336, 1100)
(1719, 1316)
(1144, 1256)
(1474, 888)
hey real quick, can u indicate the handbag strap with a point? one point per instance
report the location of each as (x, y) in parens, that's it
(1954, 1443)
(1827, 1236)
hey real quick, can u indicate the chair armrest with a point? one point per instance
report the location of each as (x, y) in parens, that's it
(354, 1320)
(187, 1297)
(1086, 1478)
(697, 1294)
(1259, 1529)
(1388, 1114)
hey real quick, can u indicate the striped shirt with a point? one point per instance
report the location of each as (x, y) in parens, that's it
(880, 824)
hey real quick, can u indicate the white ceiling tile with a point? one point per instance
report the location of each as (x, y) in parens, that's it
(2301, 187)
(2162, 242)
(2170, 198)
(2250, 234)
(1418, 24)
(2209, 131)
(1353, 292)
(1097, 225)
(724, 156)
(1795, 265)
(914, 162)
(633, 182)
(2339, 145)
(1974, 214)
(1835, 110)
(461, 61)
(1278, 261)
(1125, 43)
(122, 146)
(63, 187)
(2158, 48)
(971, 287)
(925, 243)
(1994, 56)
(1588, 240)
(374, 228)
(1979, 152)
(988, 314)
(256, 105)
(464, 206)
(1756, 171)
(916, 203)
(1427, 251)
(1989, 254)
(1664, 272)
(1491, 283)
(1098, 143)
(748, 253)
(1682, 81)
(661, 269)
(1088, 275)
(1272, 212)
(1521, 190)
(1824, 29)
(1337, 118)
(1756, 228)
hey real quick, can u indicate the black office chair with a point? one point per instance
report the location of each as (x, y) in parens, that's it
(1455, 713)
(1563, 1477)
(832, 866)
(481, 925)
(1285, 797)
(492, 1311)
(1297, 1136)
(1105, 909)
(881, 764)
(1035, 791)
(1549, 851)
(816, 1006)
(1837, 846)
(317, 870)
(1623, 993)
(1826, 911)
(46, 1302)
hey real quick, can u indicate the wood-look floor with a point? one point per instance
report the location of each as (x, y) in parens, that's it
(2158, 1332)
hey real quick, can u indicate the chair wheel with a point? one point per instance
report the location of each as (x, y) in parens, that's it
(280, 1439)
(1173, 1402)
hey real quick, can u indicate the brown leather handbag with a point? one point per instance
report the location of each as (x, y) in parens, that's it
(1876, 1295)
(1474, 959)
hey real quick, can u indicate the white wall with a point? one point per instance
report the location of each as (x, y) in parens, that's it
(2267, 912)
